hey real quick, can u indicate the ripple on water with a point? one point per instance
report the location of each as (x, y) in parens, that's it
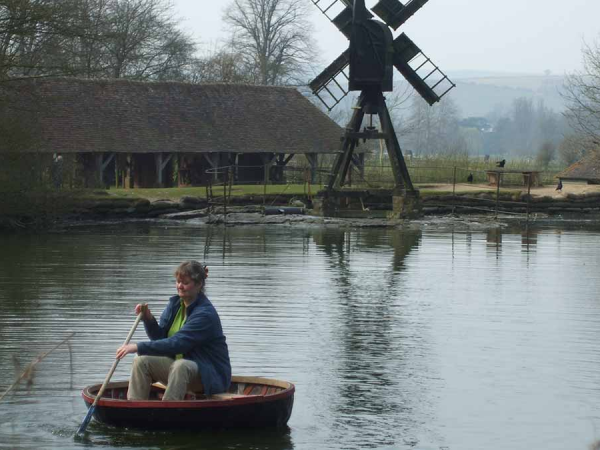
(394, 339)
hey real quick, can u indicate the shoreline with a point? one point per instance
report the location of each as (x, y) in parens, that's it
(459, 223)
(474, 206)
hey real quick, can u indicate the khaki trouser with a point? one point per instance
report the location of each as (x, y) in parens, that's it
(179, 375)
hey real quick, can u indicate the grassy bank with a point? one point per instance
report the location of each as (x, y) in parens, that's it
(175, 194)
(239, 190)
(40, 208)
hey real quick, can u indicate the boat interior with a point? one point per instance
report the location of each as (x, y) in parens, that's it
(240, 387)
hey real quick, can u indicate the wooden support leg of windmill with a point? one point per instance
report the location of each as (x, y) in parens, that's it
(405, 198)
(333, 199)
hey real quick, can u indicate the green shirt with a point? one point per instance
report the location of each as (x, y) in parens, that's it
(178, 323)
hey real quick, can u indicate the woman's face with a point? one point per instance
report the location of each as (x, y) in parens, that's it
(187, 289)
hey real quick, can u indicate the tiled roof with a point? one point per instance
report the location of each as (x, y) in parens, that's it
(82, 115)
(587, 168)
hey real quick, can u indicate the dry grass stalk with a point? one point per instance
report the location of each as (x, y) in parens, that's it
(29, 372)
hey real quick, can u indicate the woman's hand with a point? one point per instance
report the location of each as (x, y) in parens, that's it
(143, 307)
(124, 350)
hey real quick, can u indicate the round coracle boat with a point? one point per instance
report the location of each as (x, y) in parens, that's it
(250, 402)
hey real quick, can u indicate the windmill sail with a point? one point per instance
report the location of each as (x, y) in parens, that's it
(339, 12)
(423, 75)
(394, 13)
(331, 85)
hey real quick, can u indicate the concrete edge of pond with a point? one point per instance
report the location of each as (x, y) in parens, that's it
(467, 211)
(455, 222)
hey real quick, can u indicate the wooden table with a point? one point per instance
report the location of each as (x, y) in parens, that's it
(495, 176)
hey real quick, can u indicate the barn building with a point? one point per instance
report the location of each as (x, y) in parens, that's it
(162, 134)
(586, 170)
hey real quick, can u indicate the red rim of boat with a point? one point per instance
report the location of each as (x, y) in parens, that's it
(288, 390)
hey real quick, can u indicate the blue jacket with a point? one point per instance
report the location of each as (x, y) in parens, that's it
(200, 339)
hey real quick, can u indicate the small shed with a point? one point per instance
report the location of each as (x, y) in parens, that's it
(155, 134)
(586, 169)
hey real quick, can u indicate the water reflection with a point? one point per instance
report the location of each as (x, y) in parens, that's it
(370, 357)
(403, 244)
(529, 239)
(494, 240)
(394, 338)
(110, 437)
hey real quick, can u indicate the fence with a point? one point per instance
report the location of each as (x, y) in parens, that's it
(370, 176)
(383, 176)
(270, 181)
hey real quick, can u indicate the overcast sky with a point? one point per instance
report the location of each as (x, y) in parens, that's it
(519, 36)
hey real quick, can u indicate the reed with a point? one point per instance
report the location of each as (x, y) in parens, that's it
(29, 372)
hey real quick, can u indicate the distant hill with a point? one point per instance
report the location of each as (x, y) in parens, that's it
(479, 93)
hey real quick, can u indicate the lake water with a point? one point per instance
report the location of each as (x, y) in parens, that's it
(395, 339)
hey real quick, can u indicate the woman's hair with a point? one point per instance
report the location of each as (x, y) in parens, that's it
(196, 271)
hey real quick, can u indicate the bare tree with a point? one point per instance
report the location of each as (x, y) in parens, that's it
(434, 129)
(223, 65)
(524, 128)
(583, 93)
(523, 121)
(274, 39)
(85, 51)
(136, 39)
(545, 154)
(30, 32)
(575, 146)
(142, 40)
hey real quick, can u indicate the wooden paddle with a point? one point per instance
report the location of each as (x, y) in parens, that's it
(90, 412)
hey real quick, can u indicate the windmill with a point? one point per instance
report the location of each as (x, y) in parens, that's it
(368, 66)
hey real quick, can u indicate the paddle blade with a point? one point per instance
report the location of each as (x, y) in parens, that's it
(86, 421)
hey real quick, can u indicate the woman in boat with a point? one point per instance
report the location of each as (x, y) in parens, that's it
(187, 348)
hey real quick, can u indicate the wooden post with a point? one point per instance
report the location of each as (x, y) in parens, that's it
(268, 163)
(158, 159)
(454, 190)
(265, 181)
(116, 172)
(361, 158)
(225, 181)
(236, 170)
(179, 162)
(349, 174)
(98, 169)
(127, 179)
(213, 164)
(161, 163)
(313, 160)
(231, 179)
(498, 177)
(100, 165)
(528, 194)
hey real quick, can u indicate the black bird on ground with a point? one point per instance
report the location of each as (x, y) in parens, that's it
(501, 163)
(470, 178)
(559, 185)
